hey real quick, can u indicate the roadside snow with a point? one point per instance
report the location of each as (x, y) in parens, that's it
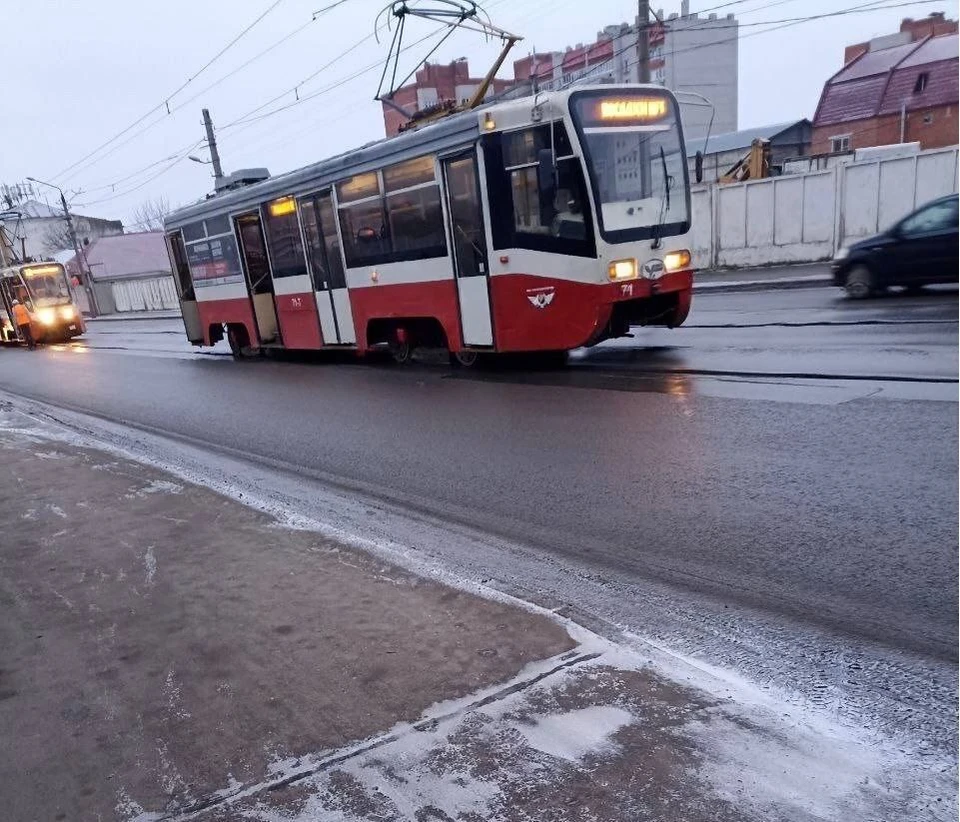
(574, 734)
(155, 487)
(150, 563)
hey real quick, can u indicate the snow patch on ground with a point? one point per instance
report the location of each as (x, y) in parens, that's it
(765, 750)
(155, 486)
(171, 780)
(174, 698)
(130, 811)
(150, 563)
(574, 734)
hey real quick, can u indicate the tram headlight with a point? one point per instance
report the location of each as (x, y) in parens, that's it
(68, 312)
(47, 316)
(622, 269)
(676, 260)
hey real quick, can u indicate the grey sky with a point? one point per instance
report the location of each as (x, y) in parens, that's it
(78, 73)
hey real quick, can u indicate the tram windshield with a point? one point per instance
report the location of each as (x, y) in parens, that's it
(47, 284)
(635, 158)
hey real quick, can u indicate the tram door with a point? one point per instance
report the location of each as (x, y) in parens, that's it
(326, 266)
(469, 247)
(256, 265)
(184, 285)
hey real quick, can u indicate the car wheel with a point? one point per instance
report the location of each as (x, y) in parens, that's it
(859, 284)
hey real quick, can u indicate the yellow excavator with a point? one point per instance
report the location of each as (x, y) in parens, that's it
(754, 165)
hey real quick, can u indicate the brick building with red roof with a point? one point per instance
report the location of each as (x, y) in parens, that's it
(434, 84)
(901, 88)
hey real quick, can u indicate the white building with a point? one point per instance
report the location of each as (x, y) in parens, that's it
(691, 55)
(39, 230)
(699, 56)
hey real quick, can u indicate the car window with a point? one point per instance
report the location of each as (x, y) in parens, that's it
(937, 217)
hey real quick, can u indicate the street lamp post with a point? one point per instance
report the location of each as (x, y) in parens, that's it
(77, 250)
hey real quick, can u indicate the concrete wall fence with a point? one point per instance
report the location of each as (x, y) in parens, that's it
(132, 295)
(799, 218)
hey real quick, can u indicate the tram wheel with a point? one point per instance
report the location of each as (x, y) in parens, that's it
(239, 345)
(464, 359)
(401, 351)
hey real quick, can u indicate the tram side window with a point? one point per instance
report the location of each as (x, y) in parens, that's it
(193, 232)
(213, 261)
(365, 240)
(217, 225)
(362, 223)
(414, 213)
(550, 209)
(393, 216)
(283, 238)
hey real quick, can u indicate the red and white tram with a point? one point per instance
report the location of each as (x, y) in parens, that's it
(540, 224)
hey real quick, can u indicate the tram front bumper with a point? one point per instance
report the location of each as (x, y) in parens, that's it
(58, 323)
(664, 301)
(642, 287)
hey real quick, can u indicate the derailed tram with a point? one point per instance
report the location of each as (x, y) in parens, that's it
(540, 224)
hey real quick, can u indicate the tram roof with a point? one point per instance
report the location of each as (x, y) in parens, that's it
(445, 134)
(458, 129)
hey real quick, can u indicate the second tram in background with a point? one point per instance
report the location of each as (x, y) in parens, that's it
(539, 224)
(44, 290)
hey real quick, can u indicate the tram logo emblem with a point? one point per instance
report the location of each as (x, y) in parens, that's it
(541, 297)
(653, 268)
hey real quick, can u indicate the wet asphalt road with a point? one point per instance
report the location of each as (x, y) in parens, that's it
(788, 451)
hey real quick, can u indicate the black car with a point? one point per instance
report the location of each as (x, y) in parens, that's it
(919, 250)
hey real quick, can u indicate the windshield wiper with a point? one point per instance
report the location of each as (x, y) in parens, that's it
(664, 202)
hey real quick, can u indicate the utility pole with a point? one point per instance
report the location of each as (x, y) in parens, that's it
(643, 41)
(8, 254)
(214, 154)
(80, 255)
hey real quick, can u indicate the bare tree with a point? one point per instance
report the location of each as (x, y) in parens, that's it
(149, 215)
(57, 238)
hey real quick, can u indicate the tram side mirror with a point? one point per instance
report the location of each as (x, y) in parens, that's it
(698, 167)
(546, 174)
